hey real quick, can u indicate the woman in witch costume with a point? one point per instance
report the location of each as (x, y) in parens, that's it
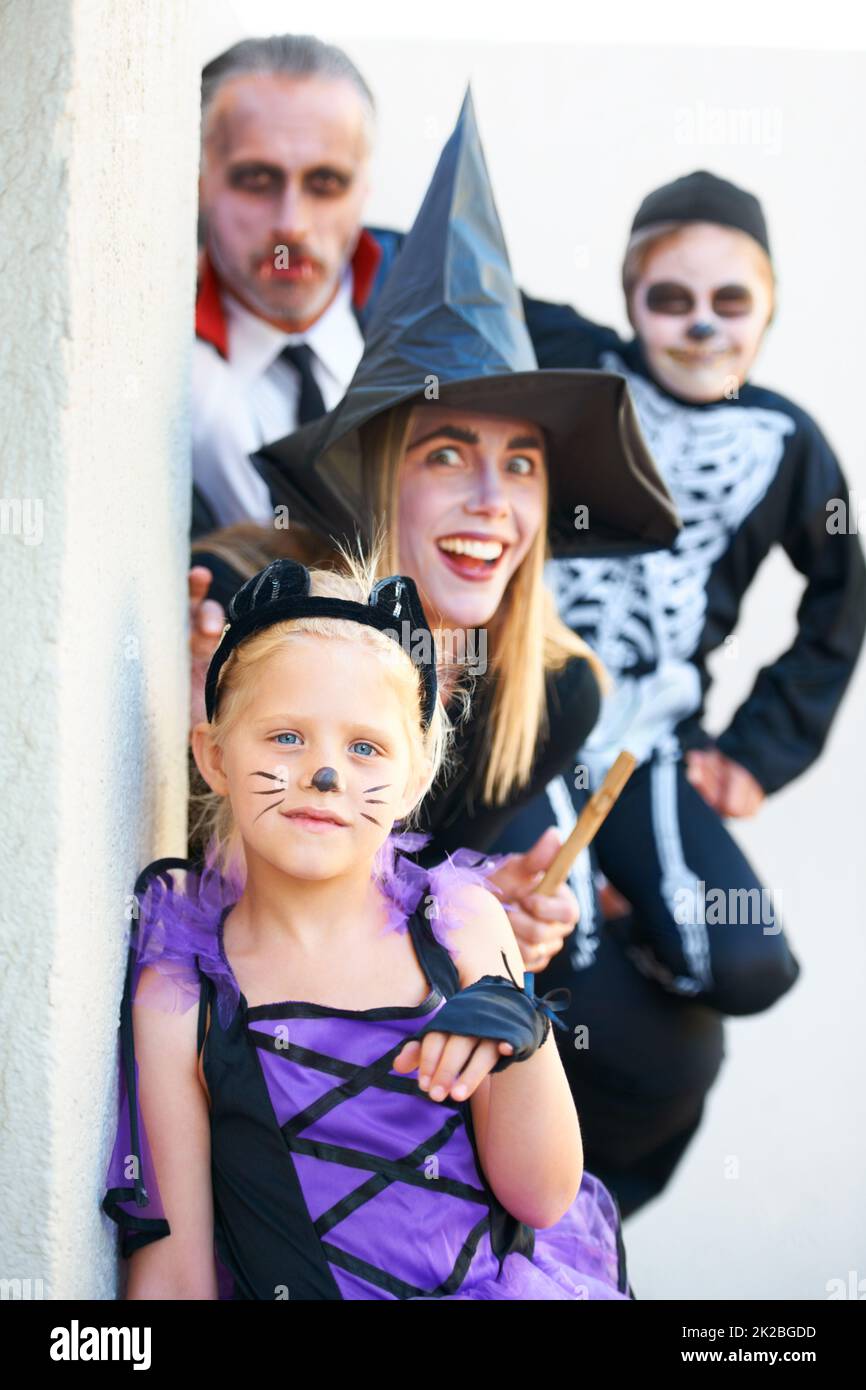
(479, 465)
(271, 1150)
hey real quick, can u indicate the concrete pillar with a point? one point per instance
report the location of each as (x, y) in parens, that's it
(98, 164)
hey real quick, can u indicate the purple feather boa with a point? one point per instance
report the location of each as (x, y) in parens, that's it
(176, 932)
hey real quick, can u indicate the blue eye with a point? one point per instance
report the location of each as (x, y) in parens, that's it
(362, 744)
(280, 737)
(521, 464)
(447, 455)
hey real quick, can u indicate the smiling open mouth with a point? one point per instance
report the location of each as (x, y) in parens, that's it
(472, 557)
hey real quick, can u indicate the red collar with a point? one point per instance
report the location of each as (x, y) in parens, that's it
(210, 319)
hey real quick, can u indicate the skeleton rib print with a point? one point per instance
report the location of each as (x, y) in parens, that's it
(718, 464)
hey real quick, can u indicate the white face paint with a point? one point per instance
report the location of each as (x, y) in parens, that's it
(700, 309)
(284, 179)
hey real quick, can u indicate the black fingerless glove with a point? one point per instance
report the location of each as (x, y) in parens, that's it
(498, 1008)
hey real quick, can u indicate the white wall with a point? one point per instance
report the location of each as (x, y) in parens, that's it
(575, 135)
(99, 149)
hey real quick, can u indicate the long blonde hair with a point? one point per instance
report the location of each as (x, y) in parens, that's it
(431, 748)
(529, 639)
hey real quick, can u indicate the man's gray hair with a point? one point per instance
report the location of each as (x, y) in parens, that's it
(289, 55)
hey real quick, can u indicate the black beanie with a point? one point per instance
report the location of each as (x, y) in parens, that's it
(702, 197)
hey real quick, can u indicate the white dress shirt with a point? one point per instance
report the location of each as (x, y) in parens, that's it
(251, 399)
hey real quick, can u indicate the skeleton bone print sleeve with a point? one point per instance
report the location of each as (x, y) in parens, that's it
(747, 473)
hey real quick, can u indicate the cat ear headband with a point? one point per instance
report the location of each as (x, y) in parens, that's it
(282, 591)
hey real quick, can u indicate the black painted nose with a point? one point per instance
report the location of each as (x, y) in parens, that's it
(699, 331)
(325, 780)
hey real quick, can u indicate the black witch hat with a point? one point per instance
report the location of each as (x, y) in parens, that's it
(449, 326)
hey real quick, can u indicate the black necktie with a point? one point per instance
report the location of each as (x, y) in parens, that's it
(310, 402)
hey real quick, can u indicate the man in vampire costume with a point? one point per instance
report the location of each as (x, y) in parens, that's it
(288, 275)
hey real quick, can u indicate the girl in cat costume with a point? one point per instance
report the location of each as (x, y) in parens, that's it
(288, 1150)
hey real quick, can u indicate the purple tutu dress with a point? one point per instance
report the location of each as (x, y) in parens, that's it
(334, 1176)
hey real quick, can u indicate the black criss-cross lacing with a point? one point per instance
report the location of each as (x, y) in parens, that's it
(384, 1171)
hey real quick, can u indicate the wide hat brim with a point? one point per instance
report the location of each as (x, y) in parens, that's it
(606, 496)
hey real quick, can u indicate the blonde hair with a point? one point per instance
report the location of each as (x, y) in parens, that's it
(430, 748)
(529, 639)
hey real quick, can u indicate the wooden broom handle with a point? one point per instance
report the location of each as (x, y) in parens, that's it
(589, 821)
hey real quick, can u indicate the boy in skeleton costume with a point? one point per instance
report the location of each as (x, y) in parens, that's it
(748, 469)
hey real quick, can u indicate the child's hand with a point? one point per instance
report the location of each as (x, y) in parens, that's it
(726, 786)
(441, 1059)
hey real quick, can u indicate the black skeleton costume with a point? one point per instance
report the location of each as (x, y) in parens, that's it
(747, 473)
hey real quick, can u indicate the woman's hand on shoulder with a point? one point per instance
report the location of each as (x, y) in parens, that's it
(176, 1119)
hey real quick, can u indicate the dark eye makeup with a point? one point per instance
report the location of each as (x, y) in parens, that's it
(252, 178)
(669, 297)
(665, 297)
(731, 300)
(327, 181)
